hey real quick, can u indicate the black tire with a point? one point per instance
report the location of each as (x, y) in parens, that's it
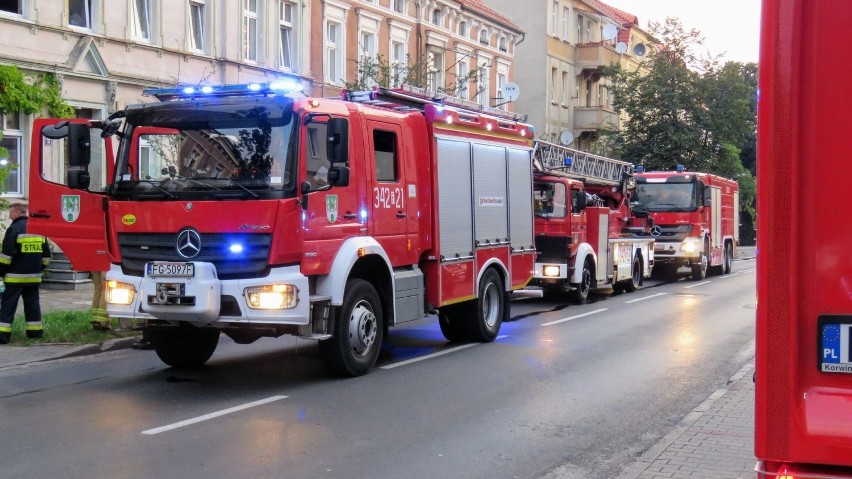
(184, 347)
(635, 276)
(354, 345)
(452, 323)
(486, 314)
(700, 270)
(729, 258)
(581, 290)
(617, 288)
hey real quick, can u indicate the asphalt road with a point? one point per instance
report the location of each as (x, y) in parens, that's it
(581, 390)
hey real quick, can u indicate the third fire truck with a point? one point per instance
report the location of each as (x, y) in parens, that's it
(254, 211)
(585, 225)
(696, 220)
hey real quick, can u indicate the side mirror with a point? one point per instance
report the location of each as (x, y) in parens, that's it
(305, 188)
(707, 194)
(338, 176)
(581, 200)
(79, 145)
(338, 140)
(78, 179)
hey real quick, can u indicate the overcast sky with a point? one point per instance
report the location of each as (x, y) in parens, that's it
(729, 27)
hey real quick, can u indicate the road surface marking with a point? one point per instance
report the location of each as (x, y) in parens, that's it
(731, 275)
(749, 270)
(212, 415)
(646, 297)
(696, 284)
(574, 317)
(429, 356)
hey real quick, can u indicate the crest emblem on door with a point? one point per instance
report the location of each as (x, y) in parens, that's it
(70, 207)
(331, 208)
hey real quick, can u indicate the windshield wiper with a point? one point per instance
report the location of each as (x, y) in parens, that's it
(252, 193)
(674, 207)
(155, 185)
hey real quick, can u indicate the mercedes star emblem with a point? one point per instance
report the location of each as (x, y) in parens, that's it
(656, 231)
(188, 243)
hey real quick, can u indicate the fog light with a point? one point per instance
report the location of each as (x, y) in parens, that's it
(117, 292)
(551, 271)
(273, 296)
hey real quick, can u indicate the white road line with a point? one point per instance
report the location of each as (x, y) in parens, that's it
(696, 284)
(731, 275)
(429, 356)
(749, 270)
(574, 317)
(646, 297)
(212, 415)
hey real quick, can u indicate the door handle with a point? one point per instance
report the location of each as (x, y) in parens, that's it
(350, 216)
(400, 214)
(40, 214)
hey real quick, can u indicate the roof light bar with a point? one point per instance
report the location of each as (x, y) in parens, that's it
(282, 87)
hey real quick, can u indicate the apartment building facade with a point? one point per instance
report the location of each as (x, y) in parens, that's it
(105, 53)
(560, 64)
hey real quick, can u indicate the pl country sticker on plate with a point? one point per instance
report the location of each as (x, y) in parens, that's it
(70, 207)
(835, 343)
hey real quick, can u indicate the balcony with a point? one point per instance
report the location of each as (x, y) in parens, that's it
(592, 118)
(595, 56)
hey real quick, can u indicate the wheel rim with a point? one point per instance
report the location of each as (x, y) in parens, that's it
(636, 274)
(491, 305)
(362, 328)
(729, 257)
(586, 282)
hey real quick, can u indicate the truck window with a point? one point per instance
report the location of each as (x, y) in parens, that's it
(667, 196)
(549, 200)
(384, 143)
(317, 162)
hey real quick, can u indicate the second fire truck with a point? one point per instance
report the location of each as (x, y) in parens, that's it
(253, 211)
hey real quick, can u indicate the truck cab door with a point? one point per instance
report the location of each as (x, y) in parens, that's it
(388, 195)
(61, 205)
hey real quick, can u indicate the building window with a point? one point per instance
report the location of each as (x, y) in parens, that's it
(334, 52)
(285, 34)
(503, 45)
(566, 31)
(399, 61)
(142, 19)
(80, 13)
(10, 125)
(435, 70)
(196, 24)
(12, 6)
(462, 29)
(484, 97)
(250, 31)
(502, 79)
(553, 76)
(437, 17)
(399, 6)
(462, 74)
(579, 29)
(554, 19)
(565, 87)
(368, 46)
(588, 93)
(483, 36)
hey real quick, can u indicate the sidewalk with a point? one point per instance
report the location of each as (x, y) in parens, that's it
(58, 300)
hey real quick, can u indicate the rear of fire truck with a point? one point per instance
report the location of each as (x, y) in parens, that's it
(803, 389)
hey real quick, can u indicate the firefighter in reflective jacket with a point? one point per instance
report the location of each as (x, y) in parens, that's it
(22, 259)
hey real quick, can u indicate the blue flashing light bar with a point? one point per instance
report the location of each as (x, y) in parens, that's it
(281, 87)
(640, 169)
(680, 168)
(568, 160)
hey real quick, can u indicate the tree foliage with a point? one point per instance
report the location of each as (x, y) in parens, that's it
(685, 107)
(378, 71)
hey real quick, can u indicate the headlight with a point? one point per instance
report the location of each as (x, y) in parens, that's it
(551, 271)
(117, 292)
(690, 245)
(273, 296)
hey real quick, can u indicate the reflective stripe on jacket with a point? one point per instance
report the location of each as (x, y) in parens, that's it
(23, 256)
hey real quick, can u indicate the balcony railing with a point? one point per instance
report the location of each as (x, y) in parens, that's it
(594, 117)
(594, 56)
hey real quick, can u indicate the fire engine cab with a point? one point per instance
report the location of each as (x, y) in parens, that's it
(253, 211)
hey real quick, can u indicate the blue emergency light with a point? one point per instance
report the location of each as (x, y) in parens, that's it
(568, 160)
(640, 169)
(680, 168)
(288, 86)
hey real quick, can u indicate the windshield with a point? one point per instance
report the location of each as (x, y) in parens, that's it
(233, 147)
(549, 200)
(667, 196)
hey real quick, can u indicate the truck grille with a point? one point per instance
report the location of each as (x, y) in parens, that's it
(140, 248)
(551, 249)
(668, 233)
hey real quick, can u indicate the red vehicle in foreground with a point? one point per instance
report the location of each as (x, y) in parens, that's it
(803, 390)
(253, 211)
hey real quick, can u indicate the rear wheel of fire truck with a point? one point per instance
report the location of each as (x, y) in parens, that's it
(635, 280)
(729, 258)
(486, 315)
(354, 346)
(581, 290)
(452, 323)
(184, 347)
(700, 270)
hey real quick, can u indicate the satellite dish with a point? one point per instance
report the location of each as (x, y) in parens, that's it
(511, 91)
(639, 49)
(610, 31)
(621, 47)
(566, 138)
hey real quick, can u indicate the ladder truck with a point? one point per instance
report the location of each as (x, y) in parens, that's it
(585, 229)
(254, 211)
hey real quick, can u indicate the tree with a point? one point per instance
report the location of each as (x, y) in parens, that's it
(28, 94)
(378, 71)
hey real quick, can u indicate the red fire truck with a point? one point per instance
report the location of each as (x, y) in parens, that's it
(584, 224)
(696, 220)
(803, 361)
(253, 211)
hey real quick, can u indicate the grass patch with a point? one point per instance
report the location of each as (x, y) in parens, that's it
(72, 327)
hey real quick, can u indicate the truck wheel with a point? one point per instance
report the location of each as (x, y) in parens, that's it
(699, 271)
(635, 280)
(729, 258)
(184, 347)
(354, 346)
(452, 323)
(486, 316)
(581, 290)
